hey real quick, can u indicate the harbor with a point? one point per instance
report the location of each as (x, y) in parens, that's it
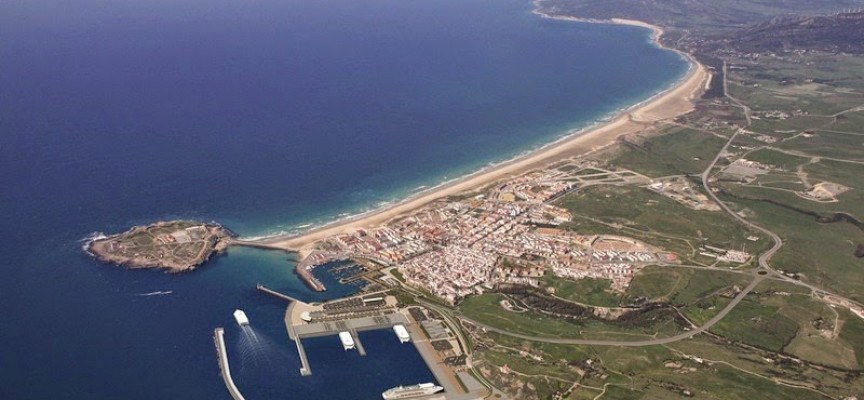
(381, 315)
(350, 316)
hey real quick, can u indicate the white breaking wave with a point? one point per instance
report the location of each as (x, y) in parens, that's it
(85, 243)
(266, 236)
(156, 293)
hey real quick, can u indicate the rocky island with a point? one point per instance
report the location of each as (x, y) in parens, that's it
(176, 246)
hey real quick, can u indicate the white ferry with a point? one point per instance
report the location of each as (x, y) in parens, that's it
(241, 318)
(410, 392)
(347, 340)
(402, 333)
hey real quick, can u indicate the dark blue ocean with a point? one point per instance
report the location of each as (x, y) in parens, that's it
(263, 115)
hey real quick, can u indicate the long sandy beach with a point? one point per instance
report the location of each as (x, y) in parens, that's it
(673, 102)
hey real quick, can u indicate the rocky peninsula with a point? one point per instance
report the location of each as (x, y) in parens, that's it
(176, 246)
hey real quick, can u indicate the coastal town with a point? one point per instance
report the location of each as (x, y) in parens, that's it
(508, 235)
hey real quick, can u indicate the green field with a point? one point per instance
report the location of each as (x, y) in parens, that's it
(784, 181)
(486, 308)
(789, 127)
(783, 317)
(850, 122)
(853, 334)
(656, 372)
(594, 292)
(661, 220)
(659, 283)
(752, 363)
(678, 151)
(757, 324)
(777, 159)
(695, 291)
(829, 144)
(774, 91)
(822, 253)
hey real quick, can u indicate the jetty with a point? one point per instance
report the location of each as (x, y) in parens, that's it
(360, 349)
(305, 369)
(257, 245)
(276, 294)
(219, 339)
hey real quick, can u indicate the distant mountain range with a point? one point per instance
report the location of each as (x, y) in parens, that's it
(835, 33)
(751, 26)
(705, 14)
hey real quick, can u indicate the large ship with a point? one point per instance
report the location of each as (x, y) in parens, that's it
(410, 392)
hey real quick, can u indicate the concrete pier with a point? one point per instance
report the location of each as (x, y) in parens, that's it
(219, 338)
(276, 294)
(305, 370)
(360, 349)
(453, 389)
(258, 245)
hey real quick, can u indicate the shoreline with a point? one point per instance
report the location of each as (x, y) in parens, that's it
(668, 103)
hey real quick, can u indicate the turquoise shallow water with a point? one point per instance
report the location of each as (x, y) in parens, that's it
(263, 116)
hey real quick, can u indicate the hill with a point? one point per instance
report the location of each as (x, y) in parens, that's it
(835, 33)
(702, 14)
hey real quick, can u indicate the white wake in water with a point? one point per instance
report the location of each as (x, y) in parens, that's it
(255, 351)
(156, 293)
